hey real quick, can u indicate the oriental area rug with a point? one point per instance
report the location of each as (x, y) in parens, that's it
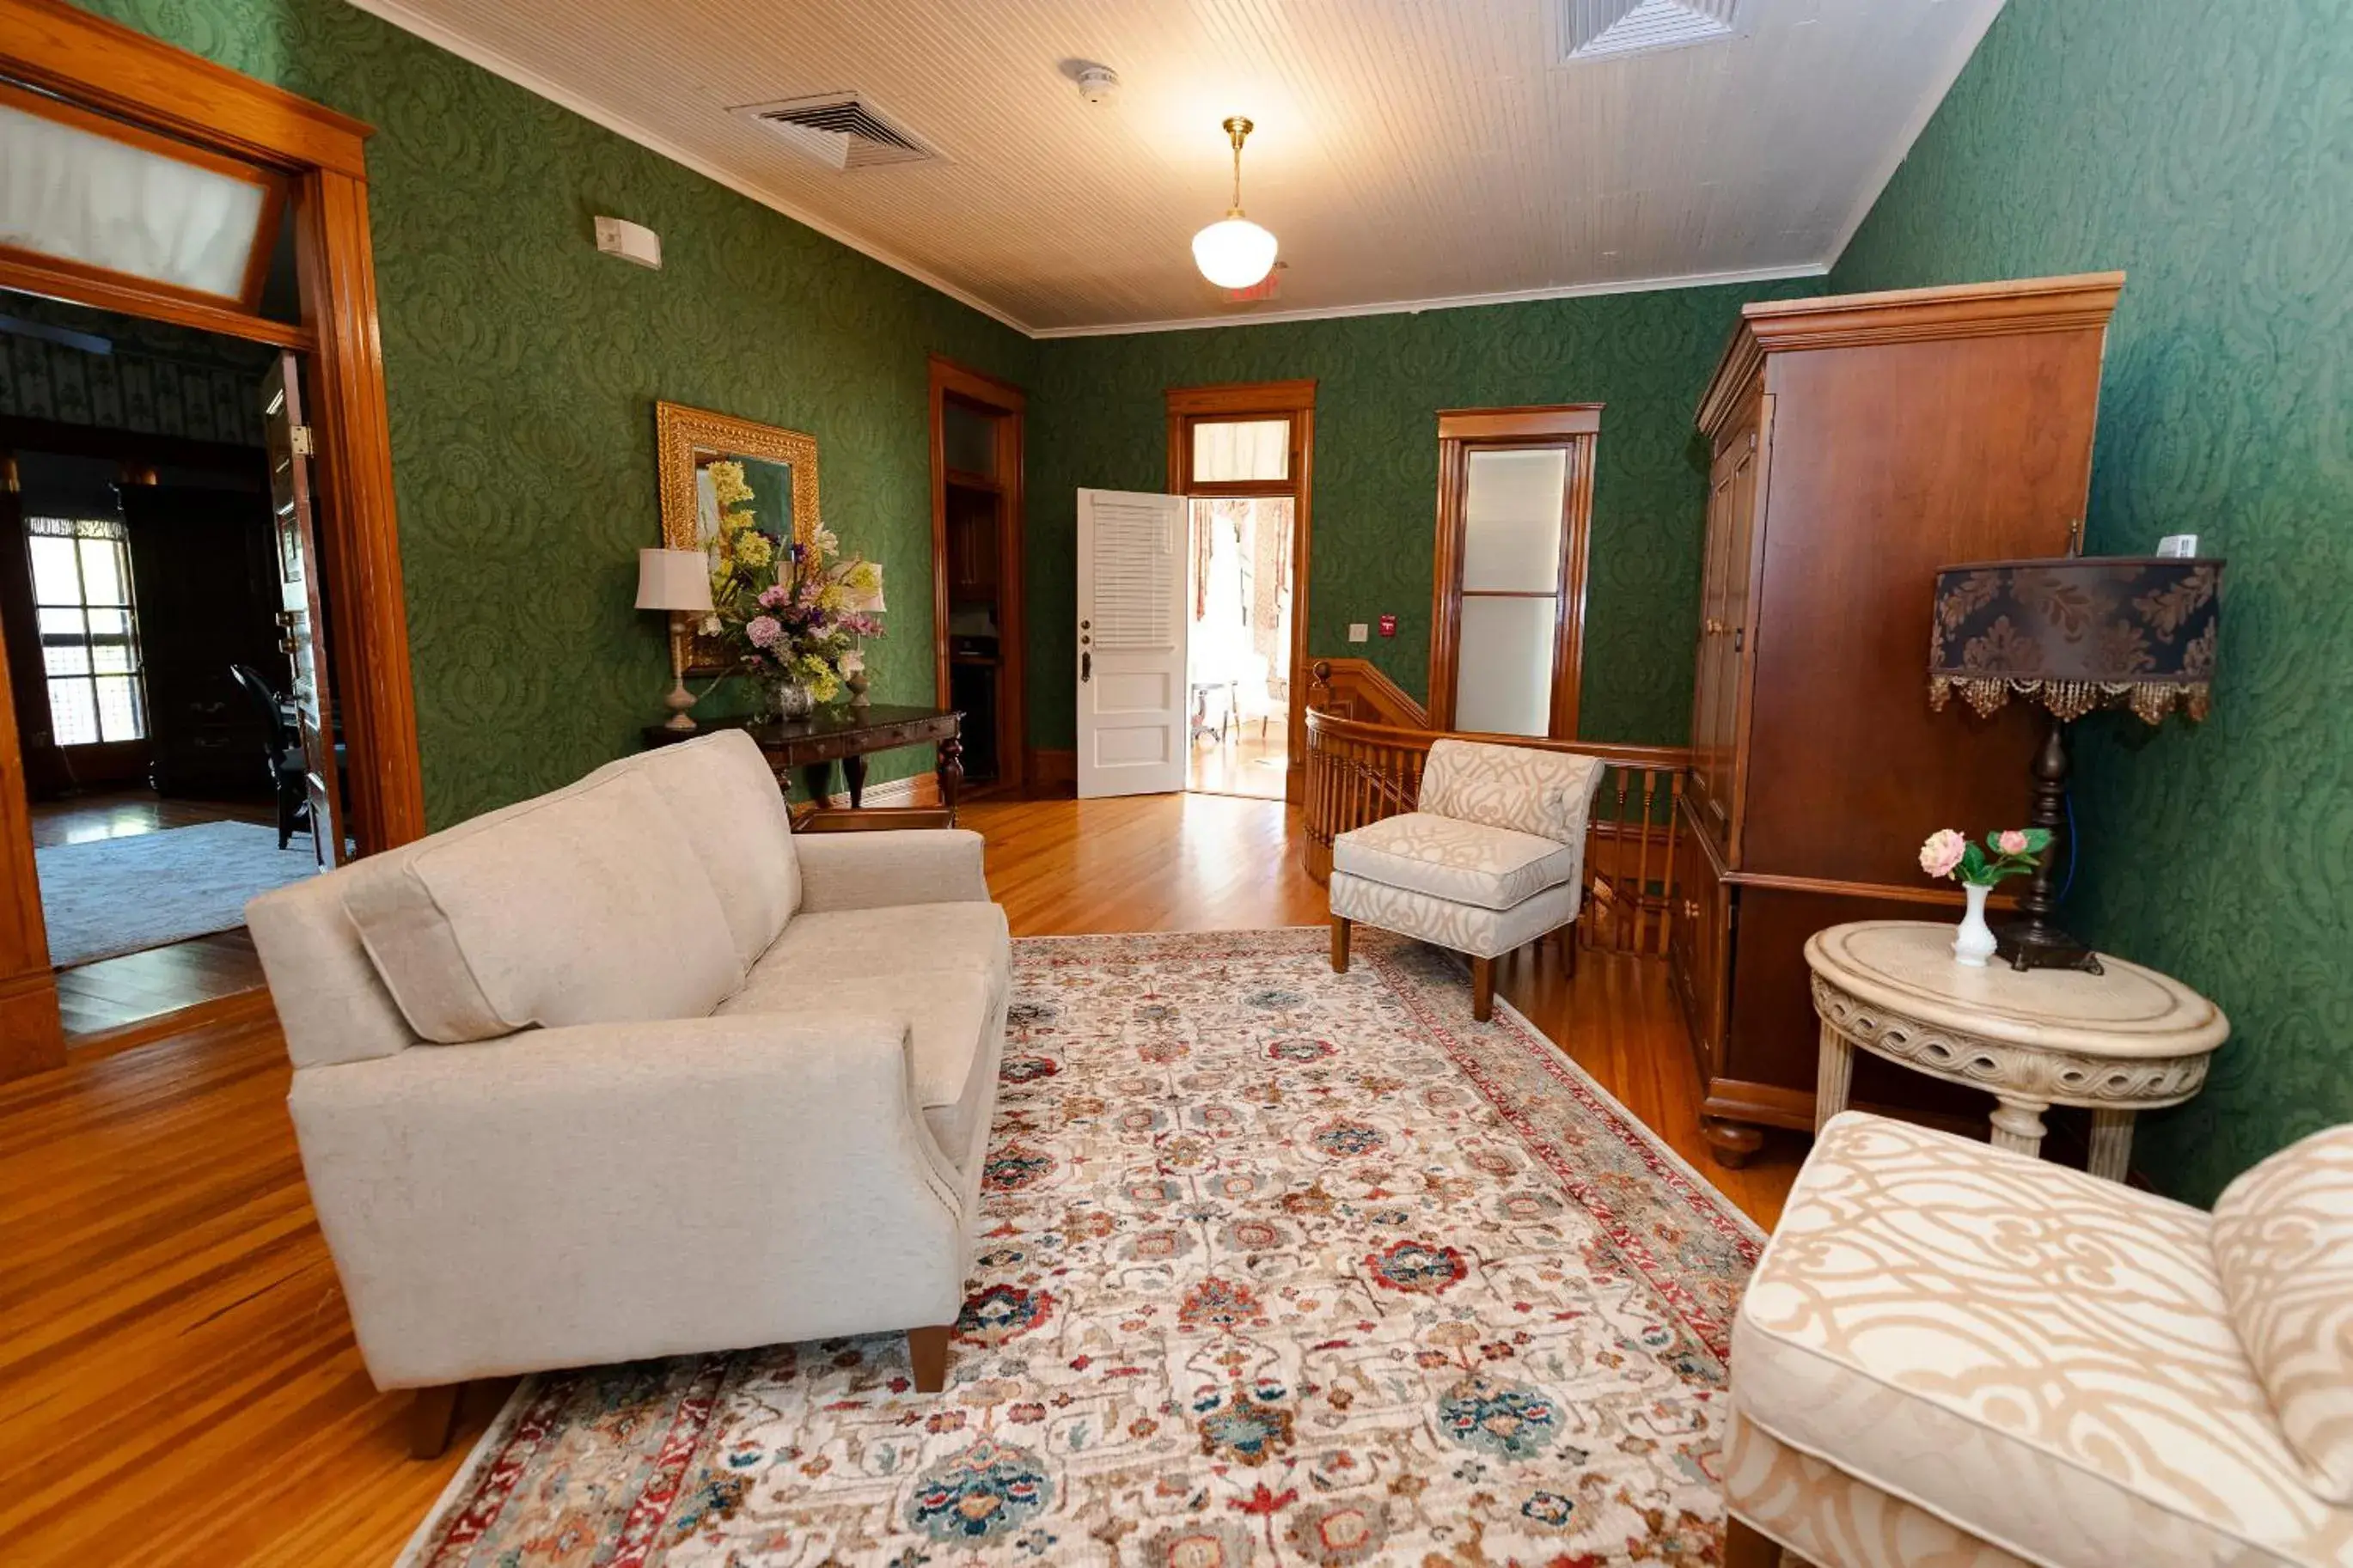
(1275, 1266)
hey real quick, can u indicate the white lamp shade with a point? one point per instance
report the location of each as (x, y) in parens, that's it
(673, 580)
(1233, 252)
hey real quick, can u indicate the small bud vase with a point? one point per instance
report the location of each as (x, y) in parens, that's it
(1974, 942)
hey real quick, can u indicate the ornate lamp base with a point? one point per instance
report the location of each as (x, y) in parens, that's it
(2029, 944)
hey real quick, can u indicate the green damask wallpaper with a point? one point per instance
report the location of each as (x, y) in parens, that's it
(2208, 151)
(1380, 381)
(523, 369)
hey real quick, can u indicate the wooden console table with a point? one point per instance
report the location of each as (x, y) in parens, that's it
(2118, 1043)
(845, 735)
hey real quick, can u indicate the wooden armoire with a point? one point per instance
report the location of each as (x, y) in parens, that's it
(1858, 443)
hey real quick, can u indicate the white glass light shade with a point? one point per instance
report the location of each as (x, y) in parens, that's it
(673, 580)
(1233, 252)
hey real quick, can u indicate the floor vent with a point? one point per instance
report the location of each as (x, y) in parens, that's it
(1606, 29)
(839, 130)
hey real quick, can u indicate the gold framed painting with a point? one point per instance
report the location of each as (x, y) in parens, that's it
(779, 469)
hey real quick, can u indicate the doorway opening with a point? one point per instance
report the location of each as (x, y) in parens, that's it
(977, 440)
(142, 611)
(234, 210)
(1243, 456)
(1238, 649)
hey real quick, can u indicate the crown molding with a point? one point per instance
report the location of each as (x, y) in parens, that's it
(532, 81)
(1445, 302)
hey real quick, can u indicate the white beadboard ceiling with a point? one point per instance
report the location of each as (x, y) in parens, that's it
(1408, 154)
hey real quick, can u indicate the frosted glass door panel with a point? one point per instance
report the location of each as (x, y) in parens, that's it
(1510, 521)
(1503, 674)
(1241, 449)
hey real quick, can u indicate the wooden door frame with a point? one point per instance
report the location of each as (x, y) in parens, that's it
(1295, 401)
(1576, 427)
(104, 66)
(1012, 404)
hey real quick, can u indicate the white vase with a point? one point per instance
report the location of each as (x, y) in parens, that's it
(1973, 941)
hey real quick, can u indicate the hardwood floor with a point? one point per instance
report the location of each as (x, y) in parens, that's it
(96, 998)
(1246, 764)
(178, 1383)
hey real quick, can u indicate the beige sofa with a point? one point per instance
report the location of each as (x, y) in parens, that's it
(632, 1070)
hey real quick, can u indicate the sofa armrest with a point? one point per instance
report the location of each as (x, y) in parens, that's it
(878, 871)
(610, 1192)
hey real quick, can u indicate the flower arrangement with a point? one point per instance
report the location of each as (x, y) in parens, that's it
(790, 610)
(2013, 852)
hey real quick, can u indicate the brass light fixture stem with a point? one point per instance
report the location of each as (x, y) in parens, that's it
(1238, 128)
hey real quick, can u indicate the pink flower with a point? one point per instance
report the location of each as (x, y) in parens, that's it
(2011, 841)
(763, 631)
(771, 596)
(1942, 852)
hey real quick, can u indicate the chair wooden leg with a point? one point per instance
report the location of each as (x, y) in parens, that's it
(1483, 989)
(1340, 924)
(432, 1417)
(928, 1350)
(1569, 949)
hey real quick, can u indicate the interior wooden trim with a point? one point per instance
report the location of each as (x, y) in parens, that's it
(1354, 680)
(1535, 422)
(77, 283)
(2079, 303)
(1244, 397)
(1296, 400)
(104, 66)
(107, 66)
(1574, 426)
(1002, 397)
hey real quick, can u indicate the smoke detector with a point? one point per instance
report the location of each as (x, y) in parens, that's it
(1098, 84)
(843, 131)
(1608, 29)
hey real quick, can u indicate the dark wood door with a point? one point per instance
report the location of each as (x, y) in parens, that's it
(302, 626)
(1723, 638)
(201, 569)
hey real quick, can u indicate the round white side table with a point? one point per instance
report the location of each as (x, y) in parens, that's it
(2120, 1043)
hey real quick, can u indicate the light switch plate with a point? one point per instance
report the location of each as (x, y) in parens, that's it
(1358, 631)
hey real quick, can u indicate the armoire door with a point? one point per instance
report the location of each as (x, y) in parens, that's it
(1723, 642)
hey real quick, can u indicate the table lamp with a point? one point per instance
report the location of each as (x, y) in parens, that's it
(678, 581)
(2071, 633)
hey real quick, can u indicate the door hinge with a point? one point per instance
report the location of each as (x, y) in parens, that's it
(299, 438)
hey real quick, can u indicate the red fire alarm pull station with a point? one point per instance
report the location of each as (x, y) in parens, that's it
(1388, 626)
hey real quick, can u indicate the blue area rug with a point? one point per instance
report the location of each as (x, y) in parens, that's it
(112, 896)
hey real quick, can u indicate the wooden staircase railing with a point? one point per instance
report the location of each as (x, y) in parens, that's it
(1359, 772)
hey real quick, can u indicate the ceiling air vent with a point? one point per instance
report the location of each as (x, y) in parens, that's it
(1605, 29)
(839, 130)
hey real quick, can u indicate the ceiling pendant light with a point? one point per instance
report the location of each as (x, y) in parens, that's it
(1233, 252)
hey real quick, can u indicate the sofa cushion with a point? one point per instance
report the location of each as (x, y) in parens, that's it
(726, 800)
(946, 968)
(1463, 927)
(1524, 788)
(1463, 862)
(2284, 1246)
(2040, 1357)
(1825, 1515)
(584, 907)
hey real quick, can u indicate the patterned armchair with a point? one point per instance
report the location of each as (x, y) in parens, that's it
(1955, 1356)
(1493, 858)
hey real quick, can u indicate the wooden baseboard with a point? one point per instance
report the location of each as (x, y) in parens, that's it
(1052, 771)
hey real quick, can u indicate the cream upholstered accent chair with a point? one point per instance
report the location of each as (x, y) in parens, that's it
(1493, 857)
(632, 1070)
(1955, 1356)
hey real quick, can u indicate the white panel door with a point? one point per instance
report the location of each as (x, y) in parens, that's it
(1132, 623)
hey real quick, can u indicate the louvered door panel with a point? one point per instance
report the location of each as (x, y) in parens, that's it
(1131, 637)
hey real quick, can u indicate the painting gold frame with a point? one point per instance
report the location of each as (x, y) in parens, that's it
(681, 432)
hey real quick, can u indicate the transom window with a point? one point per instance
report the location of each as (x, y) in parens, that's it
(89, 628)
